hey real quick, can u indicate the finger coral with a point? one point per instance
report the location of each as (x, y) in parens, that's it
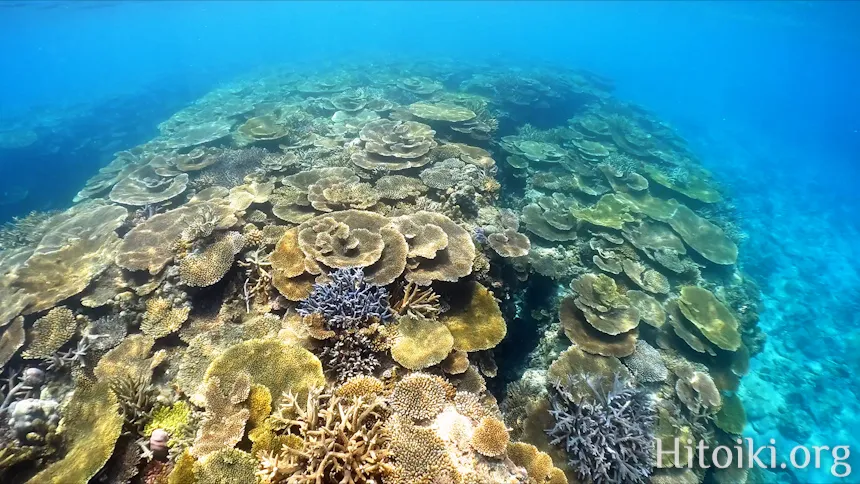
(339, 440)
(609, 436)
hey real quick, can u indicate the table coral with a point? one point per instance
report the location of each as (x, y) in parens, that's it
(480, 325)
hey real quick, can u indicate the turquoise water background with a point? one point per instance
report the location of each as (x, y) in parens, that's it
(766, 92)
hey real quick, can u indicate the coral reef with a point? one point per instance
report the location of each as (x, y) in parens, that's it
(390, 273)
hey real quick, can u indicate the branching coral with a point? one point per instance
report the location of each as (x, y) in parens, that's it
(417, 301)
(491, 437)
(348, 301)
(608, 438)
(340, 439)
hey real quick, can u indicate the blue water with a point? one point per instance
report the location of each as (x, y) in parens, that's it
(765, 91)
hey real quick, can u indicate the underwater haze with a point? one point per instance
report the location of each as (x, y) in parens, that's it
(525, 214)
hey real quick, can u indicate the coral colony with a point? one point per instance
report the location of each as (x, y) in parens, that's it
(384, 274)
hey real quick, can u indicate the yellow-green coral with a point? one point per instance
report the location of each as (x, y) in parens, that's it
(710, 316)
(226, 466)
(183, 470)
(360, 386)
(478, 326)
(49, 333)
(11, 340)
(421, 342)
(259, 405)
(610, 211)
(223, 424)
(173, 418)
(731, 418)
(278, 366)
(90, 427)
(128, 360)
(161, 318)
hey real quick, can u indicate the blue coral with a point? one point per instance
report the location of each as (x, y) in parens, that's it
(608, 439)
(347, 301)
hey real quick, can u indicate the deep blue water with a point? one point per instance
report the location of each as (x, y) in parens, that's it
(765, 91)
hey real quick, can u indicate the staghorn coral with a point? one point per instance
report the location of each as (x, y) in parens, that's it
(350, 354)
(478, 326)
(339, 440)
(49, 333)
(161, 318)
(491, 437)
(608, 437)
(420, 396)
(347, 301)
(212, 263)
(417, 301)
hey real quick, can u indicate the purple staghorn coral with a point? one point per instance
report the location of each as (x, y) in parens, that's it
(608, 439)
(347, 301)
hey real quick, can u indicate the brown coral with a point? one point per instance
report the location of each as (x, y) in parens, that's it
(49, 333)
(510, 243)
(440, 249)
(213, 262)
(491, 437)
(161, 318)
(394, 145)
(420, 396)
(605, 307)
(223, 423)
(591, 340)
(478, 326)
